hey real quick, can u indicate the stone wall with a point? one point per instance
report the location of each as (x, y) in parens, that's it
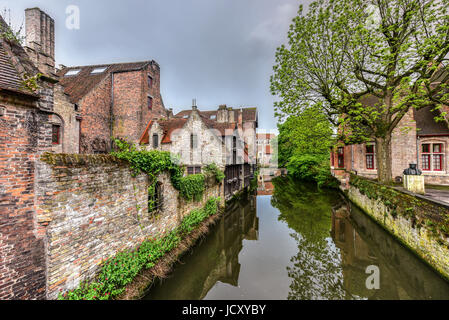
(420, 224)
(90, 207)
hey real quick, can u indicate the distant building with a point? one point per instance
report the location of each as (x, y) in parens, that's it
(265, 149)
(112, 100)
(225, 137)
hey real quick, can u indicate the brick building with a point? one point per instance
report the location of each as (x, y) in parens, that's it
(111, 100)
(225, 137)
(265, 149)
(418, 138)
(26, 116)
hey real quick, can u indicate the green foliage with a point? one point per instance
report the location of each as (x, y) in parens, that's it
(191, 187)
(154, 162)
(304, 143)
(120, 270)
(9, 32)
(213, 169)
(30, 82)
(342, 53)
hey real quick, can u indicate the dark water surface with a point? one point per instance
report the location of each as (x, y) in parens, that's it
(299, 243)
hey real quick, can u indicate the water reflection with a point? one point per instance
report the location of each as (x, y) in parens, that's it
(333, 265)
(299, 243)
(215, 259)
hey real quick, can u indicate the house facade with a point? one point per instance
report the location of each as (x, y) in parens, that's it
(418, 138)
(109, 100)
(265, 149)
(199, 138)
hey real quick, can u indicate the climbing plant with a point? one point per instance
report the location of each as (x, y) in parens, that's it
(214, 170)
(154, 162)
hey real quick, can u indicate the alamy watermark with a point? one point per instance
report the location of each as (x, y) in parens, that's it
(72, 21)
(373, 280)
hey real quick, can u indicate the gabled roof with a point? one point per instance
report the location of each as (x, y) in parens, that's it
(79, 85)
(167, 126)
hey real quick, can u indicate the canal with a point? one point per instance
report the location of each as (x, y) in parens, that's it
(298, 243)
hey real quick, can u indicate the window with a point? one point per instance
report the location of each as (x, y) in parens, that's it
(370, 157)
(156, 198)
(194, 170)
(193, 141)
(98, 70)
(55, 136)
(213, 117)
(72, 72)
(341, 157)
(150, 103)
(155, 141)
(432, 157)
(76, 107)
(150, 82)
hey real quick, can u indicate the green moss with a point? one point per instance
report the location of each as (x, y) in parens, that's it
(406, 205)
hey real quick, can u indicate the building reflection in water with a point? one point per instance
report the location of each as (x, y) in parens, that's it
(215, 259)
(363, 243)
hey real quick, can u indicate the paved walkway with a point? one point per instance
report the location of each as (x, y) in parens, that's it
(435, 194)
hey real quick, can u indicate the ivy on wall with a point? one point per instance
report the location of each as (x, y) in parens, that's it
(154, 162)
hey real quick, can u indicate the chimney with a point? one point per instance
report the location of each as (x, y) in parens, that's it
(40, 40)
(231, 118)
(222, 114)
(240, 119)
(194, 107)
(170, 113)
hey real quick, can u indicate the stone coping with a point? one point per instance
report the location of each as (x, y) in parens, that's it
(76, 160)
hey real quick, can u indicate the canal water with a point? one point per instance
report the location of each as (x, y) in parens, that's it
(299, 243)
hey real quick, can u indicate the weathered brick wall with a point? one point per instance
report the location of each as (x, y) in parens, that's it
(95, 108)
(24, 133)
(417, 222)
(70, 124)
(90, 207)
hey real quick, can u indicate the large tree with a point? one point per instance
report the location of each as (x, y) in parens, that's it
(343, 52)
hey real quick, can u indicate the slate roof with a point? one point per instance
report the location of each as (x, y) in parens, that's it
(426, 124)
(248, 114)
(78, 86)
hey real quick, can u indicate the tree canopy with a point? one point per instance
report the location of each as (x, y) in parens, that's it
(341, 52)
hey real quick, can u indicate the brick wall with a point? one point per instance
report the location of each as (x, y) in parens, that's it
(88, 207)
(24, 133)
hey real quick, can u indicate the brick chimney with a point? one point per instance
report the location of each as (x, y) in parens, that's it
(231, 115)
(40, 40)
(222, 114)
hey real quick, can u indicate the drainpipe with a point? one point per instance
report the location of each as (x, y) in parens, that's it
(111, 111)
(352, 157)
(417, 151)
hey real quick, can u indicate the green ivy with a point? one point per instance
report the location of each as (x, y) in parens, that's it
(214, 170)
(117, 272)
(153, 162)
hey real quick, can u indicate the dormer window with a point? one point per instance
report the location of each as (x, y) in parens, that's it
(72, 72)
(98, 70)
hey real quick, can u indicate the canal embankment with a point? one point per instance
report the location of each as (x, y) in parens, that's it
(419, 223)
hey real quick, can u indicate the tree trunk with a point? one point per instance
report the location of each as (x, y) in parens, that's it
(383, 157)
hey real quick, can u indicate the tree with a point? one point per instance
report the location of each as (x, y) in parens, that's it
(303, 146)
(344, 52)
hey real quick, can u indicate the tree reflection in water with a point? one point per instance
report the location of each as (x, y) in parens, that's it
(316, 270)
(337, 242)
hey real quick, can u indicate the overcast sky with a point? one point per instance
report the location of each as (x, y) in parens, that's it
(217, 51)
